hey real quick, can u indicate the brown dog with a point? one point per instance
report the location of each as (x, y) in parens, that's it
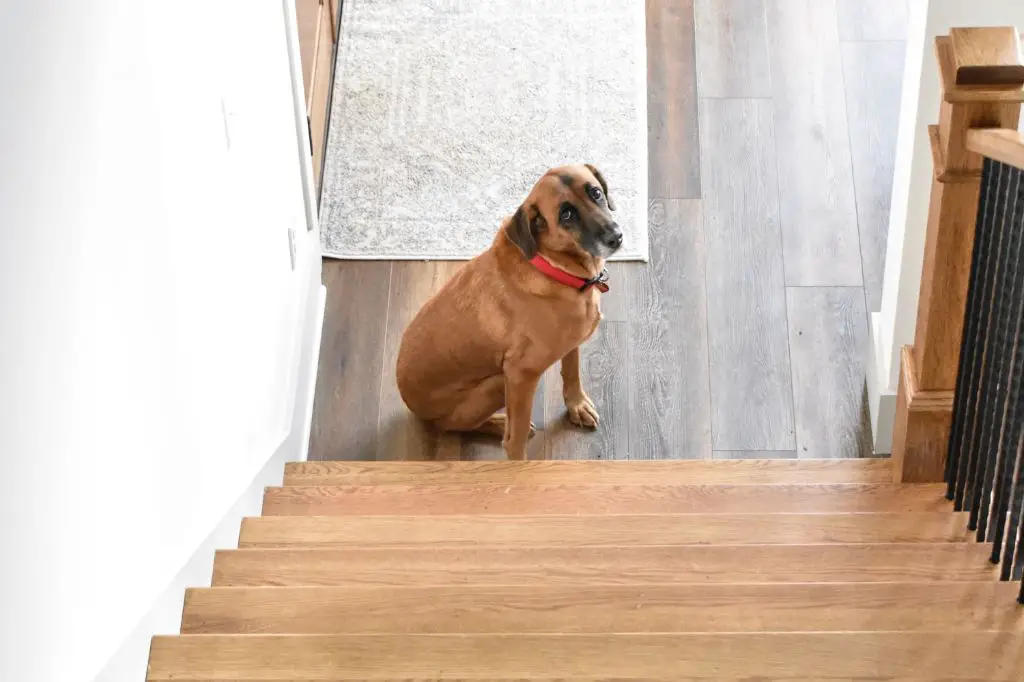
(484, 340)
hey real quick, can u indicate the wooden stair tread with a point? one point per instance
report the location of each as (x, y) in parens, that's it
(475, 498)
(700, 571)
(763, 656)
(822, 607)
(694, 472)
(618, 529)
(490, 565)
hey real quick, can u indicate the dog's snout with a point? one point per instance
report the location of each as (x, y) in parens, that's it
(613, 237)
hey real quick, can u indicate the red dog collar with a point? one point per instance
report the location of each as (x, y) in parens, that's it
(562, 277)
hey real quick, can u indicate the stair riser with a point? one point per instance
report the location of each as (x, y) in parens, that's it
(675, 472)
(604, 565)
(879, 655)
(683, 529)
(580, 609)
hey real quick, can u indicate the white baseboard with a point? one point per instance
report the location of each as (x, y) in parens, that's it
(881, 395)
(313, 367)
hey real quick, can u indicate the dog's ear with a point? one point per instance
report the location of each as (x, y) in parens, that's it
(604, 185)
(523, 229)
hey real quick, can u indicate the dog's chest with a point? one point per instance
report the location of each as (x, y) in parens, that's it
(551, 336)
(584, 320)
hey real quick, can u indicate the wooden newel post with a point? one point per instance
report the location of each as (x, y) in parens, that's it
(982, 78)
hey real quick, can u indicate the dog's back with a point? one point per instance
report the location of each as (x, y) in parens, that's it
(454, 342)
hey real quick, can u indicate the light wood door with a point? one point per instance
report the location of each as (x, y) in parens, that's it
(307, 12)
(317, 27)
(320, 87)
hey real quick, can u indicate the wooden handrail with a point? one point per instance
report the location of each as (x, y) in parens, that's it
(982, 77)
(1000, 144)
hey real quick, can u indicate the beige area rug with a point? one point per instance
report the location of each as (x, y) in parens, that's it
(445, 112)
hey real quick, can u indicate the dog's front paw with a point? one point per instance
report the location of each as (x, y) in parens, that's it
(582, 413)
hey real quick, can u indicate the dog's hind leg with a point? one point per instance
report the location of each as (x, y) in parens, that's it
(477, 411)
(475, 407)
(495, 426)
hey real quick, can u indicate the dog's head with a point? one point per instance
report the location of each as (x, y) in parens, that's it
(568, 211)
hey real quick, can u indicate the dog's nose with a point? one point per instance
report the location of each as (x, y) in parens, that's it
(613, 238)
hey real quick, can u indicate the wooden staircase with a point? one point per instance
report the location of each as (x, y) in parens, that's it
(669, 570)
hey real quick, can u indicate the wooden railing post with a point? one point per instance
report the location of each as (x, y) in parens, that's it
(981, 78)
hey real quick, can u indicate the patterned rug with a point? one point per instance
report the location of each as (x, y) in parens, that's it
(445, 112)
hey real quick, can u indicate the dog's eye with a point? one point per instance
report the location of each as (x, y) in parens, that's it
(596, 194)
(568, 214)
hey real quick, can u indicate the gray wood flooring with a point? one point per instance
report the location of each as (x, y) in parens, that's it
(873, 84)
(819, 216)
(771, 127)
(668, 367)
(751, 387)
(732, 49)
(827, 336)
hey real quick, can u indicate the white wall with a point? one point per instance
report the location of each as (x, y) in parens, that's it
(893, 327)
(153, 332)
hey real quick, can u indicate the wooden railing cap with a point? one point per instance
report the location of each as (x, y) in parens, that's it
(1000, 144)
(981, 64)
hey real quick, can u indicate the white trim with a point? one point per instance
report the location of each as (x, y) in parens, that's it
(881, 398)
(893, 325)
(641, 215)
(313, 367)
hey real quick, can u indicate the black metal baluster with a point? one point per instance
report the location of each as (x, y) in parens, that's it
(1017, 572)
(999, 347)
(970, 351)
(1013, 547)
(1015, 450)
(1011, 367)
(1014, 538)
(985, 461)
(978, 407)
(955, 461)
(1015, 445)
(1020, 595)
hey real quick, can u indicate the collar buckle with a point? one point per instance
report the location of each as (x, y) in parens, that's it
(600, 281)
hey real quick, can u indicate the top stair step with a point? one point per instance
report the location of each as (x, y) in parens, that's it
(690, 472)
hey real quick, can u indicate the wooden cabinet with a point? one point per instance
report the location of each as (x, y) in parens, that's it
(317, 22)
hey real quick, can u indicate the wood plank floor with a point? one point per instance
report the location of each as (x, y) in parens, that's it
(744, 336)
